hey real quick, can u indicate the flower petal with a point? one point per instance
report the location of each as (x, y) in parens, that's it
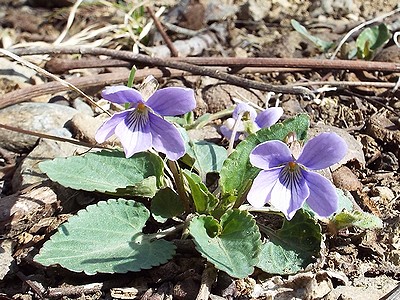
(227, 127)
(323, 198)
(269, 117)
(108, 127)
(172, 101)
(227, 133)
(270, 154)
(243, 107)
(323, 151)
(121, 94)
(260, 191)
(134, 133)
(166, 137)
(289, 193)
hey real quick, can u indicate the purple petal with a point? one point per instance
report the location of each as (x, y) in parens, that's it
(227, 127)
(172, 101)
(269, 117)
(323, 151)
(121, 94)
(108, 127)
(243, 107)
(134, 133)
(260, 191)
(323, 198)
(166, 137)
(270, 154)
(289, 193)
(227, 133)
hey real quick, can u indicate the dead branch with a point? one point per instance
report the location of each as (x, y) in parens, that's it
(322, 64)
(160, 62)
(101, 80)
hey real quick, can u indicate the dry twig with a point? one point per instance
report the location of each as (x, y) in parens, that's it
(194, 69)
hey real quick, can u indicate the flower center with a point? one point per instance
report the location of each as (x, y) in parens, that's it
(141, 108)
(292, 166)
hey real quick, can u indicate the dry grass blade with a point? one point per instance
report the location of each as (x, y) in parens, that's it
(69, 22)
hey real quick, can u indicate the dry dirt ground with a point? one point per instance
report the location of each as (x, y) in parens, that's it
(358, 264)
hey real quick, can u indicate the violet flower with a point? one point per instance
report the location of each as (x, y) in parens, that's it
(286, 183)
(142, 125)
(250, 121)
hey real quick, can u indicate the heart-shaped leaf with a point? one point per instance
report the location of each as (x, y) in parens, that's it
(207, 157)
(107, 238)
(292, 247)
(371, 39)
(108, 172)
(232, 244)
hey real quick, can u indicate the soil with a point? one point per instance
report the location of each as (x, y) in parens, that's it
(357, 263)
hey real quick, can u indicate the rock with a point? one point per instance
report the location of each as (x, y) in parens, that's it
(28, 172)
(345, 179)
(84, 127)
(220, 96)
(39, 117)
(14, 71)
(83, 107)
(208, 133)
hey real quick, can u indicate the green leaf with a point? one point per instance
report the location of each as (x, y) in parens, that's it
(237, 172)
(208, 157)
(108, 172)
(232, 244)
(106, 238)
(131, 78)
(166, 204)
(324, 46)
(358, 219)
(371, 39)
(203, 199)
(292, 247)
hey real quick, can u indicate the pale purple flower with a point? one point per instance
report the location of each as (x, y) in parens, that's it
(251, 121)
(142, 125)
(286, 183)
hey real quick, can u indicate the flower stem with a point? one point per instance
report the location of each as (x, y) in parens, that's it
(234, 131)
(166, 232)
(179, 184)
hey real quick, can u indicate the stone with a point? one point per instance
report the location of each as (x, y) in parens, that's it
(82, 107)
(345, 179)
(15, 72)
(28, 172)
(39, 117)
(84, 127)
